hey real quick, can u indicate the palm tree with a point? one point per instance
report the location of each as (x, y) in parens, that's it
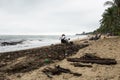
(111, 19)
(114, 3)
(108, 20)
(117, 2)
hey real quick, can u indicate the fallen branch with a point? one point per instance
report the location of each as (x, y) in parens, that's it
(57, 71)
(88, 58)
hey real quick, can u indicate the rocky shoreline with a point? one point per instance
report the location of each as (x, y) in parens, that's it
(31, 59)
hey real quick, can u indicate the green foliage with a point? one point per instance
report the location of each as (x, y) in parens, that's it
(110, 22)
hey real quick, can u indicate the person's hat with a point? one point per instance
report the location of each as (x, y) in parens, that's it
(63, 34)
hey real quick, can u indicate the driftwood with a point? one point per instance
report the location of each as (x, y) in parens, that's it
(88, 58)
(80, 65)
(96, 37)
(57, 71)
(35, 58)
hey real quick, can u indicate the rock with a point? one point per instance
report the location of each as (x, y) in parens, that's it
(11, 43)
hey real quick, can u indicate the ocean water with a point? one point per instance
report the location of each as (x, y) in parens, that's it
(30, 41)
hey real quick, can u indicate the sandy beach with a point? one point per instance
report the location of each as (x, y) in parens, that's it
(59, 40)
(29, 64)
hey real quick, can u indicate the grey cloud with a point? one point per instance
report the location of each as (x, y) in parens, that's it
(40, 16)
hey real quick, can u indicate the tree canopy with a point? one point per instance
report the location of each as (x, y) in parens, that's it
(110, 22)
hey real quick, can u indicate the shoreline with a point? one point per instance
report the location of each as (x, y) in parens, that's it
(28, 60)
(25, 46)
(28, 64)
(25, 49)
(28, 48)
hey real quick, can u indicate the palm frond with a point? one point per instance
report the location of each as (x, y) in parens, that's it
(117, 2)
(109, 3)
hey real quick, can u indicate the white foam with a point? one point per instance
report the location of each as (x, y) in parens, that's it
(27, 44)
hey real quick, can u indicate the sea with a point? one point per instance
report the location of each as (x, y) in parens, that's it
(23, 42)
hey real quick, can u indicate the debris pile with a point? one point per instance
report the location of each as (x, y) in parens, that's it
(37, 57)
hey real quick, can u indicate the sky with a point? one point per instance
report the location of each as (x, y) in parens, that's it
(50, 16)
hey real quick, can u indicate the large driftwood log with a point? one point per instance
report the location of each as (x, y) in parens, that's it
(88, 58)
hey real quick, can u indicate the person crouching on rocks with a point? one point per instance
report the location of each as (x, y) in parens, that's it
(63, 39)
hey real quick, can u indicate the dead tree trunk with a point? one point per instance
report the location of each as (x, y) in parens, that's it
(93, 59)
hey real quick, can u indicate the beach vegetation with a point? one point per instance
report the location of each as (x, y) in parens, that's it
(110, 22)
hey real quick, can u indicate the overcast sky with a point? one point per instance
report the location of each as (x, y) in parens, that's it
(50, 16)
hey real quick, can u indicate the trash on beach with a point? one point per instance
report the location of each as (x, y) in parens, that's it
(47, 61)
(57, 70)
(89, 58)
